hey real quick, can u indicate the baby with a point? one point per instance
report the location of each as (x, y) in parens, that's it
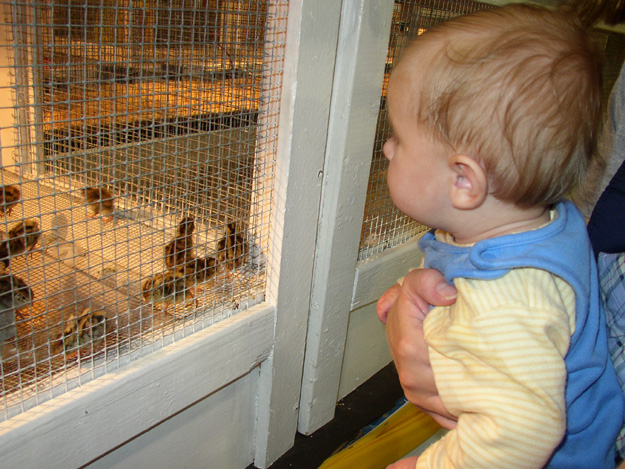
(494, 117)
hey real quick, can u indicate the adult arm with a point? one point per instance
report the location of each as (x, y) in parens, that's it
(403, 310)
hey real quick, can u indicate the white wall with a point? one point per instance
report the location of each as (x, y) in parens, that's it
(215, 433)
(366, 349)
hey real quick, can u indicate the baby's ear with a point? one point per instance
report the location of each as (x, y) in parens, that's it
(470, 186)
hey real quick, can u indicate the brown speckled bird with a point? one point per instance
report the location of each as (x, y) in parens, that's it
(9, 198)
(171, 287)
(180, 249)
(15, 293)
(201, 269)
(21, 238)
(232, 248)
(100, 201)
(83, 333)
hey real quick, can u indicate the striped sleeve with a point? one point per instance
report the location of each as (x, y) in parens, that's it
(498, 361)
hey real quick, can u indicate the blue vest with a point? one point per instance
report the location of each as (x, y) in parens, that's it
(594, 401)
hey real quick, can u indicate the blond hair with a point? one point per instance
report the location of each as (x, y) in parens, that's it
(519, 89)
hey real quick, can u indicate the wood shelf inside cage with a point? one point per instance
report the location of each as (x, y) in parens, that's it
(204, 96)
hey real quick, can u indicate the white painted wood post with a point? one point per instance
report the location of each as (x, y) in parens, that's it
(312, 34)
(361, 57)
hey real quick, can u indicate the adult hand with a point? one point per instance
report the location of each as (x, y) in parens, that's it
(403, 310)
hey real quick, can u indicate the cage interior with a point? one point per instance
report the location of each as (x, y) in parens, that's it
(122, 119)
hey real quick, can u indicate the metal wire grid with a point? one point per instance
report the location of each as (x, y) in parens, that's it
(166, 103)
(384, 226)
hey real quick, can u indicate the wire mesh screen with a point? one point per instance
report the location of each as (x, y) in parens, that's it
(137, 145)
(384, 226)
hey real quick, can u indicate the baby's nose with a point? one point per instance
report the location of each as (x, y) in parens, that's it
(389, 148)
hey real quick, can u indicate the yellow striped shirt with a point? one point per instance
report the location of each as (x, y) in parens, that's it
(498, 361)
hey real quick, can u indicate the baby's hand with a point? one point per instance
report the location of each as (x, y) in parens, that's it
(406, 463)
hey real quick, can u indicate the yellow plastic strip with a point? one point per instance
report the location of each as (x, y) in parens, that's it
(395, 437)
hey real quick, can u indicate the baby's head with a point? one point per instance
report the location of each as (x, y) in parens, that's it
(517, 88)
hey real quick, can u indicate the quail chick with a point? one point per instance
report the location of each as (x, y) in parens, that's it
(21, 238)
(171, 287)
(82, 333)
(26, 231)
(180, 249)
(15, 293)
(232, 248)
(9, 198)
(100, 201)
(201, 269)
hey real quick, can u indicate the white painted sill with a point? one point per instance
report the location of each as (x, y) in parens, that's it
(86, 422)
